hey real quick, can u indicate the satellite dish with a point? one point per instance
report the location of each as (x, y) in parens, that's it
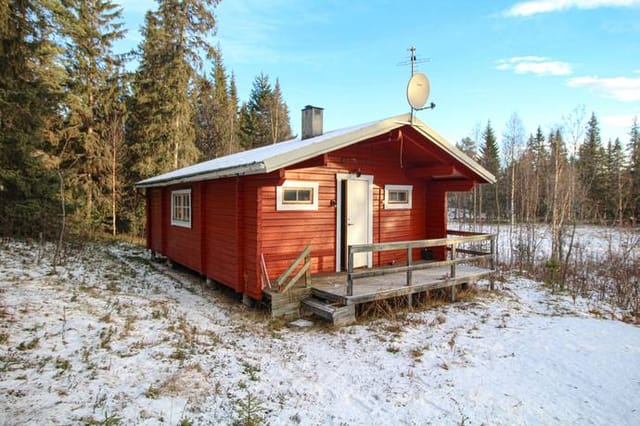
(418, 90)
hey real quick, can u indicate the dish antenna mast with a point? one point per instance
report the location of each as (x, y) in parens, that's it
(418, 88)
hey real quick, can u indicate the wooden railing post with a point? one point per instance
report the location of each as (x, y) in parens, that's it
(409, 264)
(492, 264)
(350, 272)
(453, 257)
(307, 275)
(453, 271)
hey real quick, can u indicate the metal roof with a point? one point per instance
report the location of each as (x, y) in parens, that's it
(269, 158)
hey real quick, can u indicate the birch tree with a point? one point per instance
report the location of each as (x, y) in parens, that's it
(513, 139)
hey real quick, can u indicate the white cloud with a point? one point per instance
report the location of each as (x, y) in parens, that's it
(625, 89)
(534, 7)
(538, 65)
(622, 121)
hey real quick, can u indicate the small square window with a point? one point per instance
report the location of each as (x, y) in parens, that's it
(181, 208)
(398, 196)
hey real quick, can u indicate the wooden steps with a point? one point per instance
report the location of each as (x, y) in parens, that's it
(286, 304)
(338, 315)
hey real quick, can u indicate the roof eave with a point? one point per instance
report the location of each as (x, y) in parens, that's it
(442, 143)
(246, 169)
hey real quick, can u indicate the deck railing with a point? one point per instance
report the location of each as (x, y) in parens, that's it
(471, 255)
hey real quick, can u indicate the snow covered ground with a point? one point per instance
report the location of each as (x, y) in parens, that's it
(109, 337)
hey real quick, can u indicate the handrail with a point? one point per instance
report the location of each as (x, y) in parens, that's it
(451, 243)
(283, 286)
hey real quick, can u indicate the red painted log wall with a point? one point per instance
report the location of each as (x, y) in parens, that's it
(234, 220)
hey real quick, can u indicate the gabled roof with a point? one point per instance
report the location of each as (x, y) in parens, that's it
(269, 158)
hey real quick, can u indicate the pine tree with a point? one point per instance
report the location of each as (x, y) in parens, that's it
(468, 146)
(30, 90)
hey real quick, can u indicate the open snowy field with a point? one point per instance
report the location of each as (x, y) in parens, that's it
(109, 338)
(591, 242)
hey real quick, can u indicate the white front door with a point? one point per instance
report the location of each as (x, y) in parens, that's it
(356, 217)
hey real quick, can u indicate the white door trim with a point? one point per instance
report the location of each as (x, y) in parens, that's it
(340, 177)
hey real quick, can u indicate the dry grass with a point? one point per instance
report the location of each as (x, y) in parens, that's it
(397, 308)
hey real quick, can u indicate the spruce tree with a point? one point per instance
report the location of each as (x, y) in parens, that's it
(540, 158)
(591, 169)
(162, 130)
(279, 116)
(634, 169)
(490, 160)
(90, 28)
(614, 183)
(264, 119)
(255, 126)
(204, 115)
(215, 114)
(30, 91)
(234, 120)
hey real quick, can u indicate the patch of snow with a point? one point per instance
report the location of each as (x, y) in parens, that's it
(301, 323)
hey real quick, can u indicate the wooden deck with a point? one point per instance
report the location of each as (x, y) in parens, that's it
(334, 286)
(333, 296)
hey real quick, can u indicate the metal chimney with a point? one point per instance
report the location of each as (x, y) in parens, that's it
(311, 121)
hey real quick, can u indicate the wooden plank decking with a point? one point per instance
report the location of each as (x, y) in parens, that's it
(334, 286)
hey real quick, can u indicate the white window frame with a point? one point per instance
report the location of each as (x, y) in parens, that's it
(174, 195)
(281, 205)
(398, 206)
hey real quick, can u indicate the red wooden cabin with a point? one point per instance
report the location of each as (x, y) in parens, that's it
(383, 181)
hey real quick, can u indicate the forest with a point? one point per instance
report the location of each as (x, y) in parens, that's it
(81, 123)
(78, 128)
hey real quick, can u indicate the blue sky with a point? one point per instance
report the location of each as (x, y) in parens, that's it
(485, 60)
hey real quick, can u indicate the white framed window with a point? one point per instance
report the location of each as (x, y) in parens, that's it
(181, 208)
(297, 195)
(398, 197)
